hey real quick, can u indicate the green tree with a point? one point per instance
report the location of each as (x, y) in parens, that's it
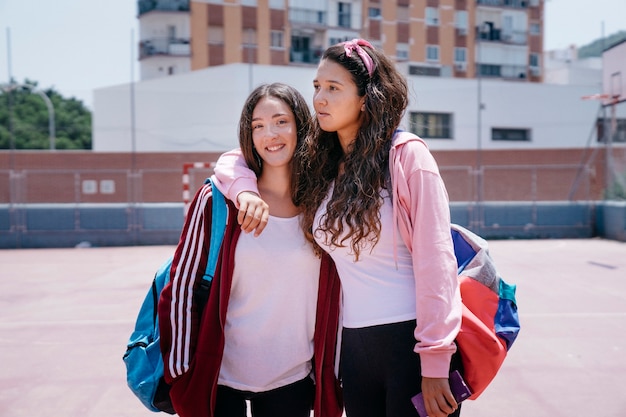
(595, 48)
(25, 114)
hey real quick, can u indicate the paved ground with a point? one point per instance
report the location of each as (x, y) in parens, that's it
(65, 316)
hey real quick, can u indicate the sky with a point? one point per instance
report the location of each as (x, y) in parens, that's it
(76, 46)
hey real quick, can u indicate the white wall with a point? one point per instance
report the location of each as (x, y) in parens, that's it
(160, 66)
(199, 111)
(563, 67)
(556, 115)
(614, 75)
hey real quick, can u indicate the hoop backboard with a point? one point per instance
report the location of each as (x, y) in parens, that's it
(614, 73)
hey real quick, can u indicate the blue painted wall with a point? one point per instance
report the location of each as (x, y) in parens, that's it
(68, 225)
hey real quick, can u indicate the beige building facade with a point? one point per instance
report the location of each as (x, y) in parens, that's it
(500, 39)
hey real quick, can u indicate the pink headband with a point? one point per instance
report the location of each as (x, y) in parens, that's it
(355, 45)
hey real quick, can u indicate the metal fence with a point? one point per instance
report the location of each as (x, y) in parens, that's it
(118, 206)
(464, 183)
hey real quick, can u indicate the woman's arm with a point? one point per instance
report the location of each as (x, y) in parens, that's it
(425, 229)
(424, 200)
(435, 270)
(238, 183)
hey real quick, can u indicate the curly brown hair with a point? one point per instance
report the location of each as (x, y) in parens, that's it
(352, 213)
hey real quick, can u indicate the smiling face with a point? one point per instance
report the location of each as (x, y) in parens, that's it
(274, 132)
(337, 103)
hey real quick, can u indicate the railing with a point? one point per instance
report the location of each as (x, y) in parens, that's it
(164, 46)
(519, 4)
(515, 37)
(145, 6)
(311, 56)
(509, 72)
(308, 16)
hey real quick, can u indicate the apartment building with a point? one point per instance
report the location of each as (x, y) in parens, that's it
(500, 39)
(164, 46)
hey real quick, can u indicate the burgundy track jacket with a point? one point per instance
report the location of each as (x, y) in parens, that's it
(192, 346)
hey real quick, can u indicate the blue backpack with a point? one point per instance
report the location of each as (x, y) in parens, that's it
(143, 359)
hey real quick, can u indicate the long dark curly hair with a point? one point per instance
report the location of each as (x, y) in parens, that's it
(352, 213)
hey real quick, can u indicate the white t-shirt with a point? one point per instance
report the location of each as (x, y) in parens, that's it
(375, 290)
(271, 312)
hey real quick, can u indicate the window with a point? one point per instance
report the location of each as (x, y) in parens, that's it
(335, 41)
(344, 17)
(402, 55)
(374, 13)
(486, 31)
(534, 29)
(489, 70)
(460, 55)
(277, 39)
(402, 51)
(301, 48)
(432, 53)
(432, 16)
(534, 60)
(403, 14)
(517, 135)
(429, 71)
(249, 37)
(277, 4)
(620, 131)
(431, 125)
(534, 63)
(460, 19)
(507, 24)
(460, 59)
(216, 35)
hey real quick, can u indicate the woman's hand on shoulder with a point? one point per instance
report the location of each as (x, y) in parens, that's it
(253, 213)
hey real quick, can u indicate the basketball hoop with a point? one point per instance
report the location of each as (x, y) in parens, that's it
(611, 98)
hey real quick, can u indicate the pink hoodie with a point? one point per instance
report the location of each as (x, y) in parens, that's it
(421, 211)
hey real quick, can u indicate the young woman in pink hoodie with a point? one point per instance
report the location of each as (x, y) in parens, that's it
(373, 199)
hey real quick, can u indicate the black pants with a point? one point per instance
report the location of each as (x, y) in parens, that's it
(293, 400)
(381, 372)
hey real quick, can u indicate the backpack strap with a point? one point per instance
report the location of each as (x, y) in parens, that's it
(219, 214)
(218, 226)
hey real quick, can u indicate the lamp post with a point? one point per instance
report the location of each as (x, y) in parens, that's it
(250, 57)
(10, 86)
(51, 126)
(478, 218)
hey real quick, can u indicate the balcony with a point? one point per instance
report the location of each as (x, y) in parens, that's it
(518, 4)
(507, 72)
(165, 47)
(308, 56)
(145, 6)
(308, 17)
(515, 37)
